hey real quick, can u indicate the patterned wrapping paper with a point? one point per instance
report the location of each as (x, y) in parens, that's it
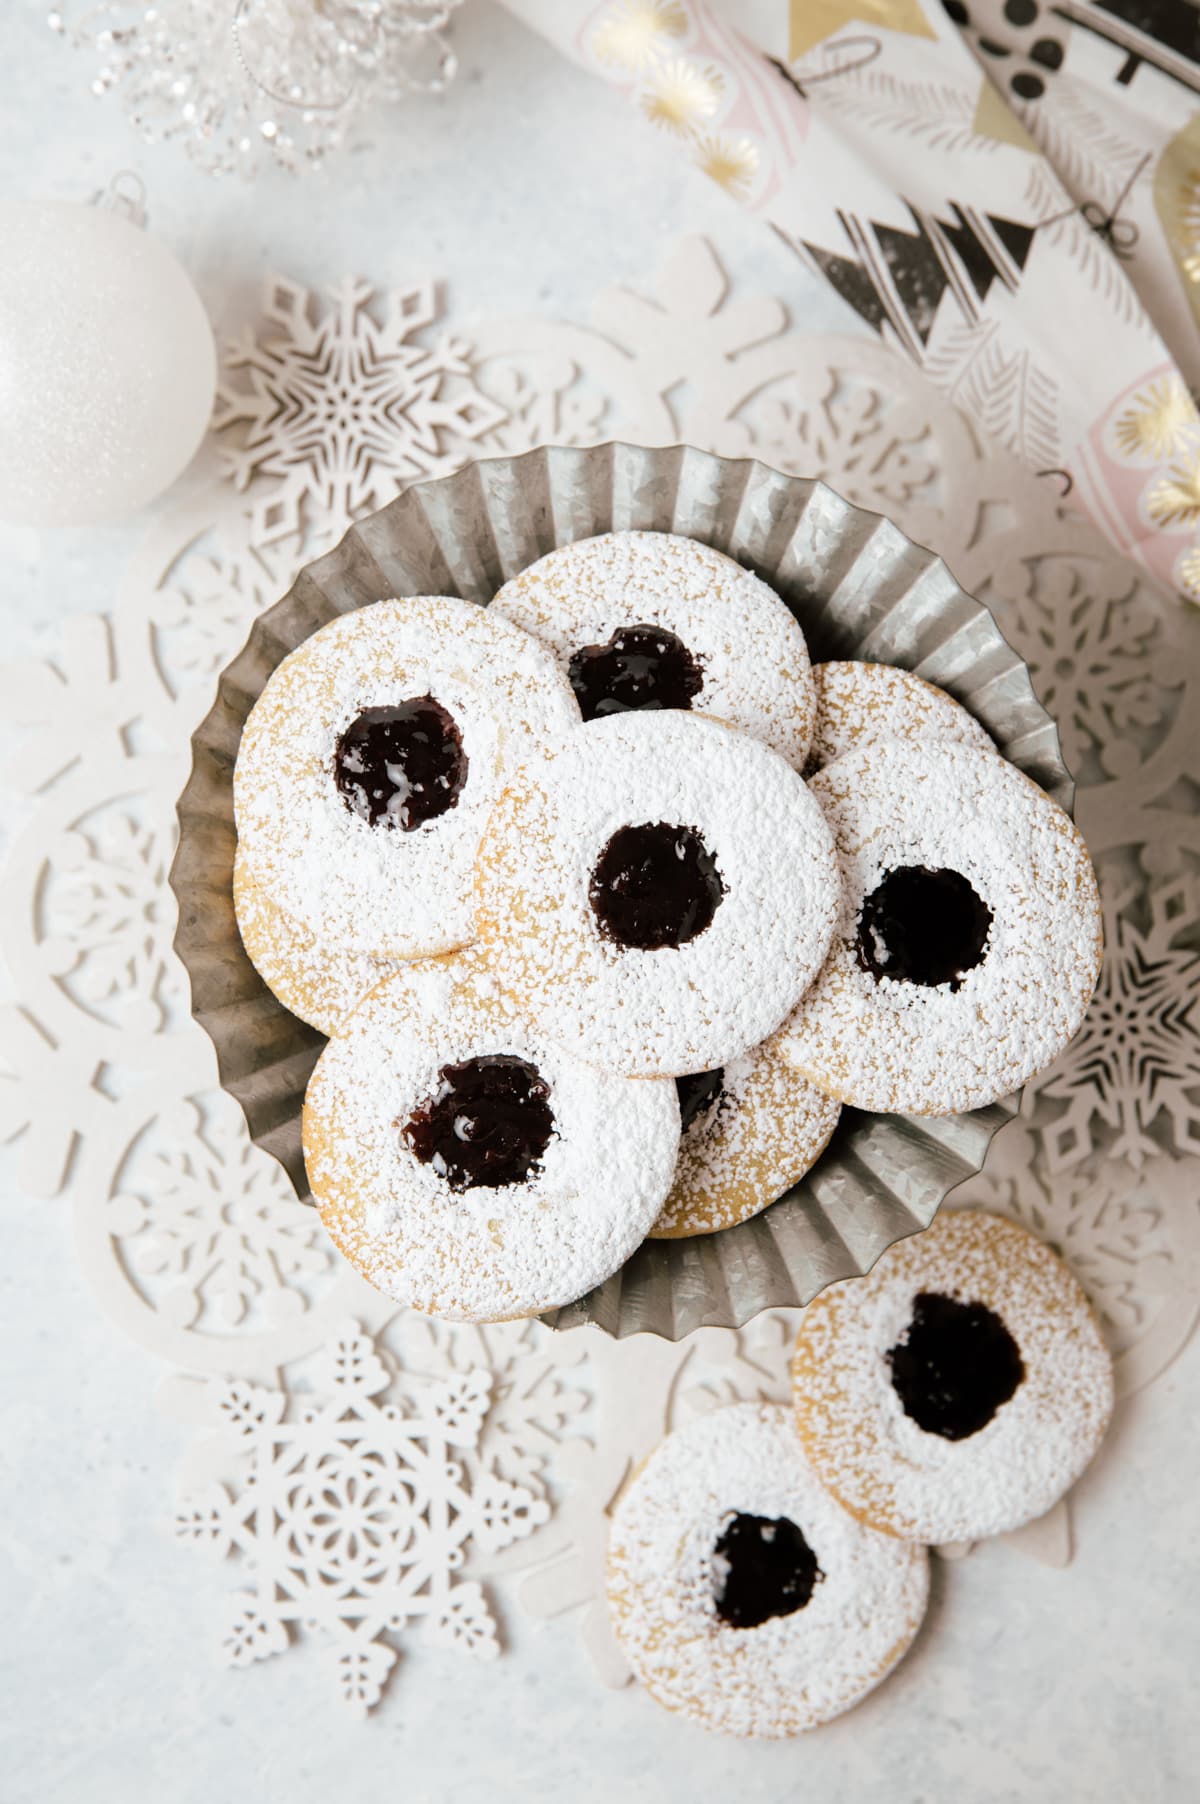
(1110, 93)
(883, 154)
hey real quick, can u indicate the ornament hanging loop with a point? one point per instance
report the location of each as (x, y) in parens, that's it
(125, 195)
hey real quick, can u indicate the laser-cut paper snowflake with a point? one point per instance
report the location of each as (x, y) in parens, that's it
(870, 449)
(1091, 632)
(200, 613)
(106, 922)
(356, 1514)
(210, 1232)
(1131, 1078)
(34, 1066)
(536, 1403)
(343, 401)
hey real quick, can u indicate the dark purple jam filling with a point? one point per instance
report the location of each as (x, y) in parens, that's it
(923, 926)
(488, 1122)
(641, 667)
(955, 1366)
(401, 766)
(697, 1093)
(655, 885)
(762, 1567)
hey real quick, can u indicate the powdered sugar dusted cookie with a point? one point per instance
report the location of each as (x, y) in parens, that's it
(657, 893)
(466, 1165)
(319, 984)
(648, 620)
(372, 759)
(750, 1130)
(857, 702)
(959, 1389)
(742, 1594)
(969, 940)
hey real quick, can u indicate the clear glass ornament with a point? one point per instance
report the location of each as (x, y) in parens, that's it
(235, 81)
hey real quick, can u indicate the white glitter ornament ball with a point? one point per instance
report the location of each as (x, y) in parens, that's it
(107, 365)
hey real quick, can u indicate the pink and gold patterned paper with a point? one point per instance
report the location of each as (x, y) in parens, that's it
(889, 161)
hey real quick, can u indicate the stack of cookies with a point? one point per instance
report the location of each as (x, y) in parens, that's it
(608, 901)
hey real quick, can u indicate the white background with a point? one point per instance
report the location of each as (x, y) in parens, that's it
(528, 188)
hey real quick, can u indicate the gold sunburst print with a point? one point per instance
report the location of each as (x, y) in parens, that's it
(730, 162)
(1187, 574)
(1174, 500)
(1159, 422)
(680, 95)
(1187, 219)
(635, 32)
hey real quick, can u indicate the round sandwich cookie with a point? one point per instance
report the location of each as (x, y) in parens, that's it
(857, 702)
(371, 761)
(742, 1594)
(969, 940)
(959, 1389)
(750, 1130)
(468, 1167)
(650, 620)
(318, 984)
(657, 893)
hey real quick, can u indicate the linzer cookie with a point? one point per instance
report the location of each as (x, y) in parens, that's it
(319, 984)
(959, 1389)
(743, 1595)
(657, 893)
(857, 702)
(370, 762)
(468, 1166)
(750, 1130)
(649, 620)
(969, 939)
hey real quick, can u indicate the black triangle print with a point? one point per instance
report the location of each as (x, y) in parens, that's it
(1174, 23)
(971, 253)
(853, 284)
(918, 275)
(1015, 238)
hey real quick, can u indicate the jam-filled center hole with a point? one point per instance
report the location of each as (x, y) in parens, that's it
(640, 668)
(488, 1122)
(655, 885)
(923, 926)
(698, 1093)
(954, 1366)
(762, 1567)
(401, 766)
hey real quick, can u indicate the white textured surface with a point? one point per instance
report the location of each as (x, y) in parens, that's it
(789, 1673)
(670, 1009)
(486, 1253)
(1076, 1684)
(754, 666)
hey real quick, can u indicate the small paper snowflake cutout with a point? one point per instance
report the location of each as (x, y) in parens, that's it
(1131, 1078)
(1092, 635)
(354, 1514)
(210, 1233)
(105, 925)
(343, 402)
